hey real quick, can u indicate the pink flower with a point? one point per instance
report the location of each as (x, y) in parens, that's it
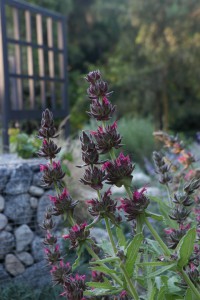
(169, 230)
(64, 194)
(189, 175)
(53, 199)
(57, 248)
(47, 251)
(137, 195)
(93, 132)
(184, 227)
(106, 165)
(192, 267)
(105, 101)
(114, 125)
(123, 295)
(43, 168)
(44, 142)
(56, 165)
(65, 236)
(122, 160)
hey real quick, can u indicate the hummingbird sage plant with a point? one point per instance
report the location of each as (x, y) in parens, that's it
(125, 266)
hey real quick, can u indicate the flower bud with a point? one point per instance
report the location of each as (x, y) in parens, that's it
(119, 171)
(107, 138)
(93, 177)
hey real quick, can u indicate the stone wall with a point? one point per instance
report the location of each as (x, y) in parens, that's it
(22, 206)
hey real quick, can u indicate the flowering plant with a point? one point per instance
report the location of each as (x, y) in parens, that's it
(134, 267)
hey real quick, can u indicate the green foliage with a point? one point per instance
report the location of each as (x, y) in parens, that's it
(185, 247)
(23, 144)
(137, 137)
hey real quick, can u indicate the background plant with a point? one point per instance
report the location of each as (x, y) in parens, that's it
(130, 269)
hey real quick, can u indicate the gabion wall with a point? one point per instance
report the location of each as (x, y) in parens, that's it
(22, 206)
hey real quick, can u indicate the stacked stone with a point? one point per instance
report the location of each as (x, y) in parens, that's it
(22, 206)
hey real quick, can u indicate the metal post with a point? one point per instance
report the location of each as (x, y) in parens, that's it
(65, 102)
(4, 83)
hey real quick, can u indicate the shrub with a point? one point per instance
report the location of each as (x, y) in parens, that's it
(123, 267)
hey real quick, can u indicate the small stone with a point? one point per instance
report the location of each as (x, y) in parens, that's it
(7, 243)
(24, 236)
(3, 274)
(4, 176)
(2, 203)
(8, 228)
(26, 258)
(20, 180)
(37, 275)
(18, 208)
(37, 248)
(34, 202)
(36, 191)
(3, 221)
(37, 179)
(13, 265)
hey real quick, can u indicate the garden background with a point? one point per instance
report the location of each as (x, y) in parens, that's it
(149, 52)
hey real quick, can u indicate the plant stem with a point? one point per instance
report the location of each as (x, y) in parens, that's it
(95, 256)
(132, 289)
(190, 284)
(139, 219)
(128, 190)
(157, 237)
(112, 154)
(110, 235)
(169, 196)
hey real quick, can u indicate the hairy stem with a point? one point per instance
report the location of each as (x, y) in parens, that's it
(157, 237)
(95, 256)
(190, 284)
(132, 289)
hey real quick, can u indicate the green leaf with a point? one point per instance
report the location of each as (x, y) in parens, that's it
(155, 246)
(164, 209)
(185, 247)
(102, 292)
(132, 252)
(154, 216)
(120, 236)
(161, 293)
(77, 261)
(153, 292)
(155, 263)
(104, 270)
(190, 295)
(161, 270)
(105, 260)
(100, 285)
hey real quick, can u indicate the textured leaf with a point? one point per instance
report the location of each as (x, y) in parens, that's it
(100, 285)
(155, 263)
(120, 236)
(104, 270)
(161, 270)
(161, 293)
(132, 252)
(154, 216)
(190, 295)
(101, 292)
(185, 247)
(155, 246)
(77, 261)
(105, 260)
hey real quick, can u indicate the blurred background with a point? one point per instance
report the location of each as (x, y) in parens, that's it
(148, 51)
